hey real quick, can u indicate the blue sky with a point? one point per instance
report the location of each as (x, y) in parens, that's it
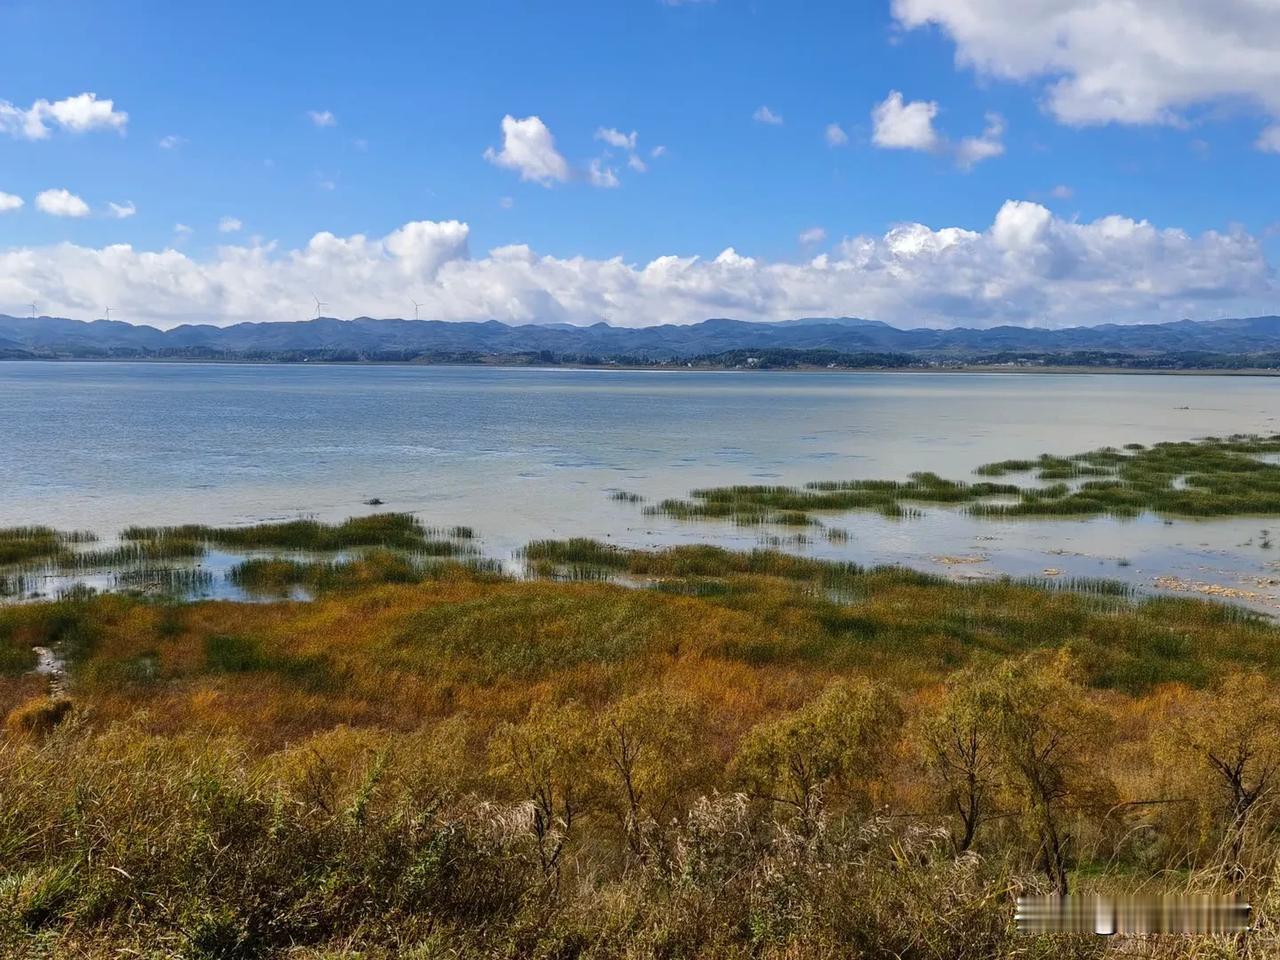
(221, 102)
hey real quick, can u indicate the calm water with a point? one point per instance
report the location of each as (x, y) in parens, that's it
(520, 454)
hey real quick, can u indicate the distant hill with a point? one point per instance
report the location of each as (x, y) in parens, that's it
(1199, 343)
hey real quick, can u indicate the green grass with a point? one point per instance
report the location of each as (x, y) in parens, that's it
(395, 530)
(897, 615)
(1206, 478)
(432, 560)
(26, 545)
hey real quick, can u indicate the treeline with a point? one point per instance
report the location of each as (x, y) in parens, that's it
(764, 358)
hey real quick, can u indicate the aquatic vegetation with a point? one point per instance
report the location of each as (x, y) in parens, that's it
(396, 530)
(131, 553)
(626, 496)
(1205, 478)
(22, 545)
(437, 559)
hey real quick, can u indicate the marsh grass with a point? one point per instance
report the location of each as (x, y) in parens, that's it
(380, 772)
(1206, 478)
(436, 560)
(166, 581)
(131, 554)
(393, 530)
(25, 545)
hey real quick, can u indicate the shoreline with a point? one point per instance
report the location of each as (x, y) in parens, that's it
(673, 368)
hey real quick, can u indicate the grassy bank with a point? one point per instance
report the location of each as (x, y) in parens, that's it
(752, 755)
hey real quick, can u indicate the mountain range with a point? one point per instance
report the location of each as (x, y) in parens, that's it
(365, 338)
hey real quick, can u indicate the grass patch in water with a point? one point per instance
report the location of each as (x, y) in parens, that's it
(1204, 478)
(280, 575)
(395, 530)
(25, 545)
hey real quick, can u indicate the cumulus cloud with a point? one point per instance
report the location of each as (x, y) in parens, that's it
(121, 211)
(1141, 61)
(835, 135)
(1269, 139)
(9, 201)
(61, 203)
(529, 149)
(171, 142)
(764, 115)
(1062, 192)
(77, 114)
(1026, 267)
(973, 150)
(812, 236)
(323, 118)
(901, 125)
(898, 125)
(229, 225)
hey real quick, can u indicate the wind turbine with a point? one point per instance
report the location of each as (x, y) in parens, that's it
(33, 311)
(416, 305)
(319, 303)
(108, 311)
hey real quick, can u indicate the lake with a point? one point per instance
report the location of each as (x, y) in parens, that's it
(525, 453)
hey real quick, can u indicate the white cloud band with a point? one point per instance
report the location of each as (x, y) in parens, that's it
(1027, 267)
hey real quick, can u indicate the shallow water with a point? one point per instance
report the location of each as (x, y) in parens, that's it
(526, 453)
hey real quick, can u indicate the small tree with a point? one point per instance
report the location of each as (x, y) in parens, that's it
(1232, 736)
(1043, 731)
(834, 744)
(548, 759)
(956, 739)
(654, 753)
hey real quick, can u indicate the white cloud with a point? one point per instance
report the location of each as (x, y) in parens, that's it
(77, 114)
(229, 225)
(181, 232)
(973, 150)
(904, 126)
(1062, 192)
(835, 135)
(323, 118)
(764, 115)
(1137, 61)
(9, 201)
(812, 236)
(1027, 267)
(624, 141)
(529, 149)
(506, 203)
(1269, 140)
(598, 175)
(121, 211)
(616, 138)
(658, 151)
(61, 203)
(171, 142)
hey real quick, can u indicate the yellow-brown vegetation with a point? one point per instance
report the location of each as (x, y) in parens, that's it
(762, 757)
